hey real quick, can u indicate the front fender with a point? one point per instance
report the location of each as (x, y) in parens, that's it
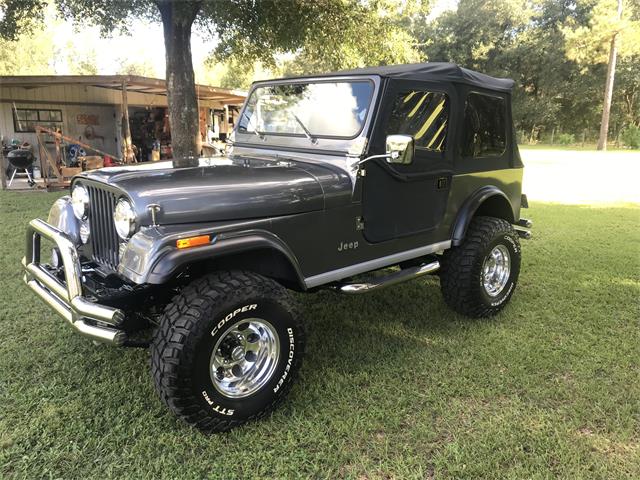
(151, 256)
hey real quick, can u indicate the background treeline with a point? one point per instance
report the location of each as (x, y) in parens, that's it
(557, 51)
(560, 74)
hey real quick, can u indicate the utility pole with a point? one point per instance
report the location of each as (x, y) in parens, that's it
(608, 89)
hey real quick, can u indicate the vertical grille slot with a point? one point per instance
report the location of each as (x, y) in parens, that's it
(104, 239)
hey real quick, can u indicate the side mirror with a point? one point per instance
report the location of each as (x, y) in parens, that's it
(400, 149)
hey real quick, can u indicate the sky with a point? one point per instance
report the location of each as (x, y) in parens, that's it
(145, 44)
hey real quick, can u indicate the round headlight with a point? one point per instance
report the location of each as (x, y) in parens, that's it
(124, 218)
(80, 202)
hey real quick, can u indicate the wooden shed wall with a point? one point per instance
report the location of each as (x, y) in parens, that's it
(106, 127)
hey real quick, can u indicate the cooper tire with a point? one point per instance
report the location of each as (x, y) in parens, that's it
(469, 284)
(198, 325)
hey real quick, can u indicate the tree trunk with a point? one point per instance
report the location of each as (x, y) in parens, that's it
(177, 19)
(608, 89)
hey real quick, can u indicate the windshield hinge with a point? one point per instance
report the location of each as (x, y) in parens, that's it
(359, 224)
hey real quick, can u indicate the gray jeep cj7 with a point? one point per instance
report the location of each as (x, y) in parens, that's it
(350, 181)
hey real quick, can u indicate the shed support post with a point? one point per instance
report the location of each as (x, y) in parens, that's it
(126, 128)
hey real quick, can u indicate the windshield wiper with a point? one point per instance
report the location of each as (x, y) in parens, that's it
(305, 129)
(259, 134)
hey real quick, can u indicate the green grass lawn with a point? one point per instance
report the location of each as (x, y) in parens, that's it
(394, 385)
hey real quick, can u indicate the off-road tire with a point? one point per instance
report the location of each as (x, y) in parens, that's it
(182, 344)
(461, 278)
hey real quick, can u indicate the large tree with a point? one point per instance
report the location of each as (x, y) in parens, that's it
(611, 33)
(246, 29)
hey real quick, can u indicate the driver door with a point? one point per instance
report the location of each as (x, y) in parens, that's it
(404, 200)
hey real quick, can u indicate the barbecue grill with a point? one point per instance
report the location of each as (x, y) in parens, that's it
(21, 159)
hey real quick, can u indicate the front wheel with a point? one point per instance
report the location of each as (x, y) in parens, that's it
(227, 350)
(479, 276)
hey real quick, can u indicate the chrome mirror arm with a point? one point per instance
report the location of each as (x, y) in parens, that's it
(373, 157)
(386, 156)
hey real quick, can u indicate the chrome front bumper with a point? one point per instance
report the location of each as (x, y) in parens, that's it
(98, 322)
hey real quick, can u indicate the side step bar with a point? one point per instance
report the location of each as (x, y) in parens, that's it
(391, 279)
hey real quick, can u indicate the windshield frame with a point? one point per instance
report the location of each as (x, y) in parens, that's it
(338, 145)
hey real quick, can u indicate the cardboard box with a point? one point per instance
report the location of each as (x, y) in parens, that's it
(92, 162)
(68, 172)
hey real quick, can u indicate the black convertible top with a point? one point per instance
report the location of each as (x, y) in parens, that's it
(433, 71)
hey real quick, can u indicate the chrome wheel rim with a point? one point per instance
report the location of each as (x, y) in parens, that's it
(496, 270)
(244, 358)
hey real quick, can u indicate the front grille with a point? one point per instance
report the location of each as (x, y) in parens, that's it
(104, 239)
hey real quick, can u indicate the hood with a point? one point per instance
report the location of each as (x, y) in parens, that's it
(222, 188)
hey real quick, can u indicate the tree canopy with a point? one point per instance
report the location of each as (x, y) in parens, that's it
(556, 50)
(537, 44)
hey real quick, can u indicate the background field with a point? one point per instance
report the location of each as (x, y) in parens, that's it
(394, 384)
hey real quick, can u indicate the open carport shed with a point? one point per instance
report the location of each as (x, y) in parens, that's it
(108, 112)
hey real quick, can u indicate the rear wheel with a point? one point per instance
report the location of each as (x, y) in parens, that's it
(479, 276)
(227, 350)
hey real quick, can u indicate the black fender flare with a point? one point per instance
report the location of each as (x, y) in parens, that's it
(225, 244)
(471, 206)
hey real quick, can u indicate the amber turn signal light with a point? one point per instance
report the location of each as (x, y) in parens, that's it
(193, 241)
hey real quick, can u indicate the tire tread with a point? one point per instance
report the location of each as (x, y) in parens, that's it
(457, 274)
(172, 349)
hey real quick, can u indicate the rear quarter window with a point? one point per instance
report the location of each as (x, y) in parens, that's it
(485, 126)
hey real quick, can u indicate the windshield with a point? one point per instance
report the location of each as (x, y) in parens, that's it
(323, 109)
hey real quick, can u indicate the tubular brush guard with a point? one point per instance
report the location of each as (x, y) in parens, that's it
(66, 297)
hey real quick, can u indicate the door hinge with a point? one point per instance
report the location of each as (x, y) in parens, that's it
(362, 172)
(359, 223)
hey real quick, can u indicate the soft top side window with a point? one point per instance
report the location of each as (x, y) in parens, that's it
(485, 126)
(423, 115)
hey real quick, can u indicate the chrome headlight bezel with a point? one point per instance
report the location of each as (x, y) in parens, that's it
(80, 202)
(124, 218)
(62, 217)
(85, 231)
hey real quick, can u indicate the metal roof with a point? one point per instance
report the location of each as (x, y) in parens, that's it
(134, 83)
